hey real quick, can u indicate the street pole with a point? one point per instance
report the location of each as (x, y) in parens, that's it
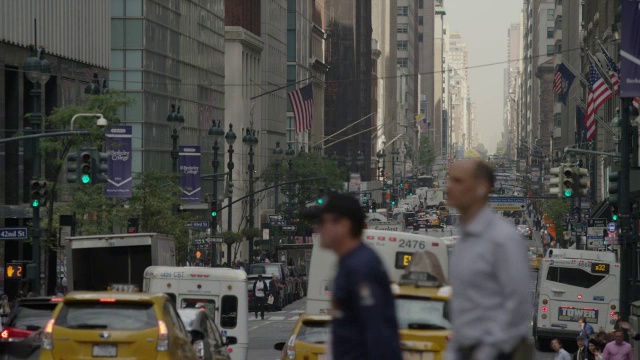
(174, 150)
(290, 205)
(230, 137)
(627, 249)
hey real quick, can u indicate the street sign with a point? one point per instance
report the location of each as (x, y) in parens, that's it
(611, 227)
(205, 224)
(289, 228)
(216, 239)
(508, 203)
(13, 233)
(273, 218)
(595, 228)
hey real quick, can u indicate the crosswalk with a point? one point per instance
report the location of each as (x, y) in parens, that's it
(292, 315)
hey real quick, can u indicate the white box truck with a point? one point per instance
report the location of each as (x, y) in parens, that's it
(98, 261)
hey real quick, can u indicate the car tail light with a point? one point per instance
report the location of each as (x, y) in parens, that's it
(47, 335)
(449, 337)
(163, 337)
(13, 334)
(291, 348)
(198, 347)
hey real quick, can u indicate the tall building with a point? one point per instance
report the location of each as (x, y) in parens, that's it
(460, 119)
(426, 39)
(384, 20)
(511, 74)
(348, 100)
(440, 44)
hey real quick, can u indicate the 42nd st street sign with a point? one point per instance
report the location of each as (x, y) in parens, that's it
(13, 233)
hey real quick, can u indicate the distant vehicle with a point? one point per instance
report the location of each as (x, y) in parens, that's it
(222, 292)
(206, 339)
(125, 255)
(20, 339)
(424, 181)
(574, 284)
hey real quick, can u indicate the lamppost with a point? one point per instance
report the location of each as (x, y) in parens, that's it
(381, 155)
(277, 155)
(290, 153)
(230, 138)
(218, 134)
(97, 87)
(38, 71)
(249, 140)
(177, 118)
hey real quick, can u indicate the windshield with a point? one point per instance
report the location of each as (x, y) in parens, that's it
(203, 304)
(423, 314)
(313, 332)
(265, 269)
(107, 316)
(32, 316)
(188, 317)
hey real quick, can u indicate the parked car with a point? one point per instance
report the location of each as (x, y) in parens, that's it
(525, 230)
(279, 269)
(205, 335)
(20, 338)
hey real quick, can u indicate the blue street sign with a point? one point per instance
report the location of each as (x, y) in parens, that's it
(198, 224)
(13, 233)
(611, 227)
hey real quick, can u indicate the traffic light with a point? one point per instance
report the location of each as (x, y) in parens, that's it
(613, 187)
(86, 167)
(374, 206)
(555, 185)
(580, 181)
(100, 167)
(72, 168)
(214, 209)
(38, 193)
(365, 197)
(614, 214)
(320, 200)
(568, 183)
(15, 271)
(229, 189)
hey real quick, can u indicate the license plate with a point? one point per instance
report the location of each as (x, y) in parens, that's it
(105, 350)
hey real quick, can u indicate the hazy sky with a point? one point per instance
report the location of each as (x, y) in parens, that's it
(483, 25)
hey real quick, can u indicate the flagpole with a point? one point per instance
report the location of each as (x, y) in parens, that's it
(598, 118)
(576, 73)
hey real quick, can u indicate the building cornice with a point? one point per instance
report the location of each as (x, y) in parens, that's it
(244, 36)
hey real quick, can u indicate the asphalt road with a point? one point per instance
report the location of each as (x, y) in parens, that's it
(276, 327)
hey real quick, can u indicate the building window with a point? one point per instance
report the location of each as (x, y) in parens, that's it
(291, 132)
(420, 20)
(559, 22)
(403, 28)
(550, 14)
(403, 44)
(403, 11)
(550, 50)
(403, 62)
(550, 31)
(421, 4)
(557, 118)
(420, 37)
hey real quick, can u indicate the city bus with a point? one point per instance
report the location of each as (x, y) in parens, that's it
(424, 181)
(573, 284)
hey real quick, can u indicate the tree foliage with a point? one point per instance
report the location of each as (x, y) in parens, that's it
(501, 148)
(426, 156)
(471, 153)
(554, 211)
(482, 149)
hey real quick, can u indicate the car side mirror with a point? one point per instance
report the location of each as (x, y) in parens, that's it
(279, 346)
(231, 340)
(196, 335)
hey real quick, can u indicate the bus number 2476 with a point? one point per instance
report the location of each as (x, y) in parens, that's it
(412, 244)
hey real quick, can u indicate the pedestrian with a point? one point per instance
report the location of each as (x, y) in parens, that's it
(595, 349)
(364, 324)
(5, 309)
(561, 354)
(274, 291)
(618, 349)
(586, 330)
(582, 353)
(260, 291)
(487, 267)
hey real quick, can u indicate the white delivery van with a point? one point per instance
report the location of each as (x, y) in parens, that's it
(221, 292)
(574, 284)
(394, 248)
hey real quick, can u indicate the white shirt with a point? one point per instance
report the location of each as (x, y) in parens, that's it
(489, 274)
(562, 355)
(260, 288)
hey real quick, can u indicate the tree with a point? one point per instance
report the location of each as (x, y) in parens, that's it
(500, 149)
(426, 156)
(230, 238)
(54, 151)
(554, 211)
(471, 153)
(250, 234)
(482, 149)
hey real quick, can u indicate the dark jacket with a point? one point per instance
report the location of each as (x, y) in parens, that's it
(585, 355)
(266, 288)
(273, 288)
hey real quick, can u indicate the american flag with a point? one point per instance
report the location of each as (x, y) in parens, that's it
(557, 83)
(597, 94)
(302, 104)
(636, 102)
(614, 70)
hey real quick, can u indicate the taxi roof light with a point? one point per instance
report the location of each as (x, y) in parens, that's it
(108, 300)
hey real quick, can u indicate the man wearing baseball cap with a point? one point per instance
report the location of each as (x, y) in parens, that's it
(364, 324)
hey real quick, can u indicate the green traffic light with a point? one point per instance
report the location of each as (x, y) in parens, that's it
(320, 201)
(86, 179)
(214, 213)
(35, 203)
(615, 217)
(568, 192)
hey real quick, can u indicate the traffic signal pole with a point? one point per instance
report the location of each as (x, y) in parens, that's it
(627, 250)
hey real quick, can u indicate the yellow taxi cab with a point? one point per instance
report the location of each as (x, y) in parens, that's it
(115, 325)
(422, 309)
(308, 340)
(443, 211)
(535, 257)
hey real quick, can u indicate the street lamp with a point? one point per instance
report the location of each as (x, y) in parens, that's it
(290, 153)
(230, 138)
(381, 155)
(38, 71)
(217, 133)
(277, 155)
(250, 139)
(97, 87)
(177, 118)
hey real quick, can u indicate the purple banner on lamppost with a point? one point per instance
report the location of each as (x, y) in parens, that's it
(189, 171)
(118, 143)
(630, 49)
